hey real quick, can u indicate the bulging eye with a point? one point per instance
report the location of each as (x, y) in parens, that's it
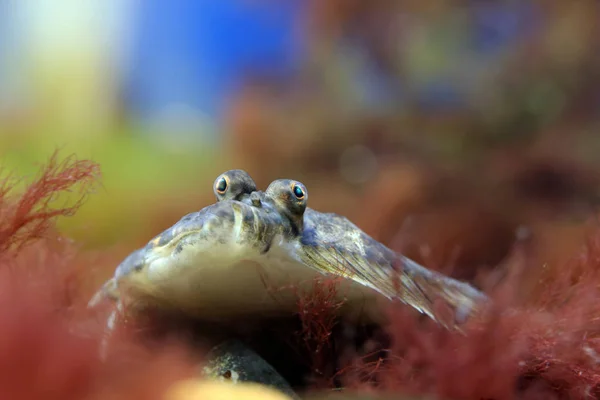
(221, 185)
(298, 191)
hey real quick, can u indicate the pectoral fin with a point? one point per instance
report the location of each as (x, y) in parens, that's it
(401, 279)
(107, 291)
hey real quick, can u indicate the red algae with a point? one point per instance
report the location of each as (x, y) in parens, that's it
(317, 312)
(543, 349)
(46, 355)
(48, 345)
(29, 216)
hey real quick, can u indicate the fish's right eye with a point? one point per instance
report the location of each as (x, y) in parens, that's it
(298, 192)
(221, 185)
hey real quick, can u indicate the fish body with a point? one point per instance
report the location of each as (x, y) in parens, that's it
(252, 254)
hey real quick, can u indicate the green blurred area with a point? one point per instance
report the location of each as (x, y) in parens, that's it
(137, 173)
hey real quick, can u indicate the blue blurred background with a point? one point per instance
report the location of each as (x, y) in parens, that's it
(178, 62)
(189, 57)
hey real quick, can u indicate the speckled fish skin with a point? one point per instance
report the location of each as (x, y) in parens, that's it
(331, 244)
(234, 362)
(209, 264)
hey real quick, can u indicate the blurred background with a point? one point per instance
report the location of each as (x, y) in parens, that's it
(445, 129)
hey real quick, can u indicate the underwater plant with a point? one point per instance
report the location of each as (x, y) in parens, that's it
(48, 346)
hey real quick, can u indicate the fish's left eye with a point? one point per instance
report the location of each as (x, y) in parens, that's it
(221, 185)
(298, 192)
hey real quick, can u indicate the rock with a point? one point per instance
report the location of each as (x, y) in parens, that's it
(234, 362)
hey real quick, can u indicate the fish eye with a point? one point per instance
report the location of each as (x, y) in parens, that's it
(221, 185)
(298, 191)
